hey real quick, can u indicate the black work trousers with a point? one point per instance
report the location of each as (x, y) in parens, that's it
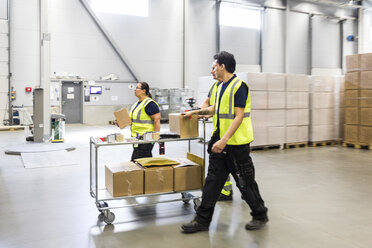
(142, 151)
(235, 159)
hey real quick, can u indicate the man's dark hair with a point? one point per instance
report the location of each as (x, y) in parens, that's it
(227, 59)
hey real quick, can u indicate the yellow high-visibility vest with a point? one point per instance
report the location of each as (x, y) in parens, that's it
(225, 107)
(212, 93)
(141, 121)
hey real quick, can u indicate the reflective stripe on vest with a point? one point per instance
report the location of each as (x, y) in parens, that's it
(226, 113)
(138, 119)
(212, 93)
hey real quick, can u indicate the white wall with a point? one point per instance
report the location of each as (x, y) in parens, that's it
(326, 43)
(273, 41)
(367, 31)
(4, 9)
(298, 43)
(77, 44)
(153, 44)
(25, 48)
(200, 40)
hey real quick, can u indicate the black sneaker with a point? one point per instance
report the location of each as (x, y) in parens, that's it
(256, 224)
(193, 227)
(223, 197)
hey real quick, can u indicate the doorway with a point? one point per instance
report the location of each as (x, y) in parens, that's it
(72, 101)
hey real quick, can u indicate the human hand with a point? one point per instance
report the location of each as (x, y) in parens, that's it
(186, 115)
(218, 146)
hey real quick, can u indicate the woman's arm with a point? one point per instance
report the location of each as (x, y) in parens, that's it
(156, 118)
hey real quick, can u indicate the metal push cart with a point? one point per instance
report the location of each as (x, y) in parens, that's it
(102, 197)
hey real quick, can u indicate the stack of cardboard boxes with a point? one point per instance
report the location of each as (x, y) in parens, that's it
(322, 111)
(267, 107)
(127, 179)
(297, 109)
(358, 99)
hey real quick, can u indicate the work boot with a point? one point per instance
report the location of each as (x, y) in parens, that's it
(194, 226)
(224, 197)
(255, 224)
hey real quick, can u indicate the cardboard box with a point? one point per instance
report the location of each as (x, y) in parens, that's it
(352, 80)
(295, 117)
(297, 134)
(276, 135)
(276, 100)
(352, 116)
(351, 133)
(297, 83)
(297, 100)
(187, 177)
(124, 179)
(323, 100)
(353, 62)
(259, 118)
(365, 135)
(276, 82)
(366, 99)
(322, 132)
(158, 179)
(122, 117)
(342, 100)
(351, 98)
(255, 81)
(365, 117)
(366, 80)
(185, 127)
(275, 117)
(322, 83)
(258, 99)
(260, 136)
(366, 61)
(323, 116)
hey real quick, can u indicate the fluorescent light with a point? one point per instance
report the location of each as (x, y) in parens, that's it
(122, 7)
(235, 15)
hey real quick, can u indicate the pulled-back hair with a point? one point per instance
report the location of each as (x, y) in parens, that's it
(146, 87)
(227, 59)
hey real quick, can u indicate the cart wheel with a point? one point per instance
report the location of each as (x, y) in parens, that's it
(102, 204)
(101, 217)
(185, 195)
(197, 204)
(110, 218)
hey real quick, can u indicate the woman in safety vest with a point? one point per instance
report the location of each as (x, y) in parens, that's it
(145, 116)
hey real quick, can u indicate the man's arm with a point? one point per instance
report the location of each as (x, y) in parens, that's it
(205, 104)
(220, 145)
(204, 111)
(156, 119)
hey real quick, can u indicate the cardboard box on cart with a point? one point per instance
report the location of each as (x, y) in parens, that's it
(187, 176)
(124, 179)
(185, 127)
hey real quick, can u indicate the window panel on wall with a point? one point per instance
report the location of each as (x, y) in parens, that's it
(298, 43)
(326, 43)
(240, 32)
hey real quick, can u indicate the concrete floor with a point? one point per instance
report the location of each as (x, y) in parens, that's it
(317, 197)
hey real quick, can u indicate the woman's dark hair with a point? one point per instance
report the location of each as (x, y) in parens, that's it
(227, 59)
(146, 88)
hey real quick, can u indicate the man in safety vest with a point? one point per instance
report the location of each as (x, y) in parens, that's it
(229, 148)
(226, 192)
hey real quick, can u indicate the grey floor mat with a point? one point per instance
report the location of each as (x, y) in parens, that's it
(47, 159)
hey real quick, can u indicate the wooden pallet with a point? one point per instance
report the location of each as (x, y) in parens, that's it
(265, 147)
(296, 145)
(11, 128)
(324, 143)
(357, 145)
